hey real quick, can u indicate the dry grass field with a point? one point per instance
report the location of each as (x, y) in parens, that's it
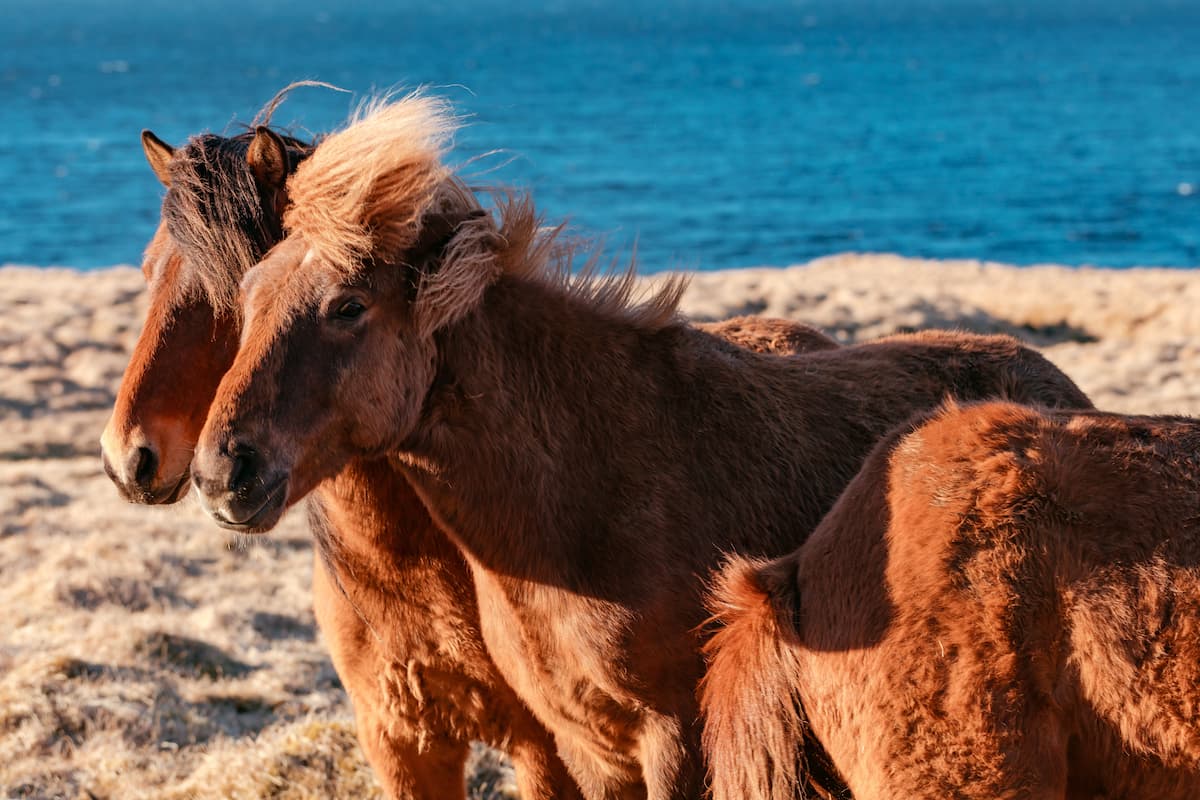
(144, 653)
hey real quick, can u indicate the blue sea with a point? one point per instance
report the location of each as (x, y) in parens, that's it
(711, 134)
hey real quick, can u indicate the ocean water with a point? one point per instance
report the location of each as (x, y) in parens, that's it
(712, 134)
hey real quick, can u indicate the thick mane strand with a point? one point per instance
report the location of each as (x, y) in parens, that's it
(366, 187)
(213, 211)
(547, 254)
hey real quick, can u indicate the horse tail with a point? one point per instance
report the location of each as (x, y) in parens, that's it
(754, 723)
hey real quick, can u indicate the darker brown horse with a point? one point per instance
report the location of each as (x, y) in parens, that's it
(222, 212)
(1005, 603)
(392, 597)
(592, 457)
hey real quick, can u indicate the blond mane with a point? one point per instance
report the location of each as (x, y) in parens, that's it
(366, 190)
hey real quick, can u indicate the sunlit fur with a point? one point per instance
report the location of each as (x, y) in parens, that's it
(593, 457)
(1004, 603)
(392, 596)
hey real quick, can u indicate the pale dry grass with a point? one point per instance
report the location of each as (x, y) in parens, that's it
(144, 654)
(143, 651)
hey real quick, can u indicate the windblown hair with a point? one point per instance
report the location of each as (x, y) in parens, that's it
(214, 209)
(215, 212)
(547, 254)
(370, 191)
(366, 188)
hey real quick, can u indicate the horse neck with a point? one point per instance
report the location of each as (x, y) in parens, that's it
(537, 398)
(370, 525)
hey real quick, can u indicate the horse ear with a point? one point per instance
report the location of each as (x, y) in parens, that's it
(158, 153)
(437, 230)
(466, 244)
(268, 158)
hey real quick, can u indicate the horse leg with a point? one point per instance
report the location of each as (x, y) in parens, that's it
(599, 780)
(408, 772)
(670, 762)
(541, 774)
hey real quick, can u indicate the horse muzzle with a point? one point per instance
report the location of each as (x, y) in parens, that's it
(239, 491)
(135, 472)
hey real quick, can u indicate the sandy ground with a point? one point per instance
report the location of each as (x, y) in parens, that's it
(143, 653)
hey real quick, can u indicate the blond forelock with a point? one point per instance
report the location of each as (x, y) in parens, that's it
(366, 187)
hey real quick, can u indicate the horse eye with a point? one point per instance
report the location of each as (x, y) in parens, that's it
(351, 309)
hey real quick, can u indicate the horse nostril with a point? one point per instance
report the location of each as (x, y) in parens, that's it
(146, 467)
(244, 468)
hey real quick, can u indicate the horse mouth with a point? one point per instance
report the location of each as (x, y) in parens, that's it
(173, 494)
(150, 497)
(258, 519)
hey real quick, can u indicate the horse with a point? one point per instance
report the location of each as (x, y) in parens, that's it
(397, 592)
(1004, 603)
(593, 456)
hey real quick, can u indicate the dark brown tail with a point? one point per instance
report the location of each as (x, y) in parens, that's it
(754, 725)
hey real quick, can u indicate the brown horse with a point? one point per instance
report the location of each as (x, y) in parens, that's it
(392, 590)
(592, 457)
(1005, 603)
(222, 213)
